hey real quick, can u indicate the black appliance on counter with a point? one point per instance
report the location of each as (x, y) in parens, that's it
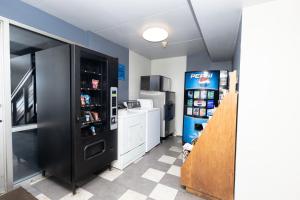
(77, 104)
(158, 88)
(155, 83)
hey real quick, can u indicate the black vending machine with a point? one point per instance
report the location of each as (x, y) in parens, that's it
(77, 104)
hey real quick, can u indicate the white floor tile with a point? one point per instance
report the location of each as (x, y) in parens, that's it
(163, 192)
(176, 149)
(42, 197)
(174, 170)
(153, 175)
(167, 159)
(111, 175)
(81, 194)
(180, 156)
(132, 195)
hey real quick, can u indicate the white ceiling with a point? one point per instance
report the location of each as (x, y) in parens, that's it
(123, 21)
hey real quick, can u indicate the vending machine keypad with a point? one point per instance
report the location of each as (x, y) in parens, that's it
(113, 108)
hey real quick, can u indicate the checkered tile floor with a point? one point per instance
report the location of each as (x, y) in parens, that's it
(155, 176)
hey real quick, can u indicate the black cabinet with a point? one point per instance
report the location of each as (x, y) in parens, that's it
(77, 126)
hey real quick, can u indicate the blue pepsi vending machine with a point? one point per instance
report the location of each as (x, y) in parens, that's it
(201, 96)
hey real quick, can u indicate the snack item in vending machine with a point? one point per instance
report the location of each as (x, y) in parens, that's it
(189, 111)
(200, 103)
(210, 94)
(196, 94)
(95, 84)
(196, 111)
(82, 100)
(93, 130)
(87, 117)
(190, 94)
(87, 99)
(203, 94)
(210, 112)
(95, 116)
(190, 102)
(210, 104)
(202, 112)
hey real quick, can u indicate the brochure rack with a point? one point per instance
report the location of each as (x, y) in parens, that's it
(209, 169)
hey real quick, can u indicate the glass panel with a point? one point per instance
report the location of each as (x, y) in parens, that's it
(93, 89)
(25, 155)
(23, 46)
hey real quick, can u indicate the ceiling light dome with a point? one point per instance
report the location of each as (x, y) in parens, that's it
(155, 34)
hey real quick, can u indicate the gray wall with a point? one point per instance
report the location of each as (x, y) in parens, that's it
(26, 14)
(237, 54)
(21, 12)
(98, 43)
(201, 61)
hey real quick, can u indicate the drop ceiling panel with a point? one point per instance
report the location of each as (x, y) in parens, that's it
(129, 10)
(178, 49)
(83, 14)
(178, 23)
(124, 21)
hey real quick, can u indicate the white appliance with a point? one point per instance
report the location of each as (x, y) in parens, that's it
(131, 137)
(152, 123)
(166, 102)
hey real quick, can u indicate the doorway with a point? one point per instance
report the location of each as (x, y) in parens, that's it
(23, 46)
(18, 114)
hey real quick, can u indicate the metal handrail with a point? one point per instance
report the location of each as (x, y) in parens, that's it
(22, 82)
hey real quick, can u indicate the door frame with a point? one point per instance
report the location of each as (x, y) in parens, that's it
(5, 128)
(6, 169)
(2, 165)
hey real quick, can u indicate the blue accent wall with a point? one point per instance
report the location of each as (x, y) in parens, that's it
(26, 14)
(102, 45)
(21, 12)
(201, 61)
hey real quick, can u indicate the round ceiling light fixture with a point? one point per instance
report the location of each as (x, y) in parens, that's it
(155, 34)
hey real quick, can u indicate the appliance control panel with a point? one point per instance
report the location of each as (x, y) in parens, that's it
(113, 108)
(132, 104)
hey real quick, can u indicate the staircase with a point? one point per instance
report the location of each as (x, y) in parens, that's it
(23, 100)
